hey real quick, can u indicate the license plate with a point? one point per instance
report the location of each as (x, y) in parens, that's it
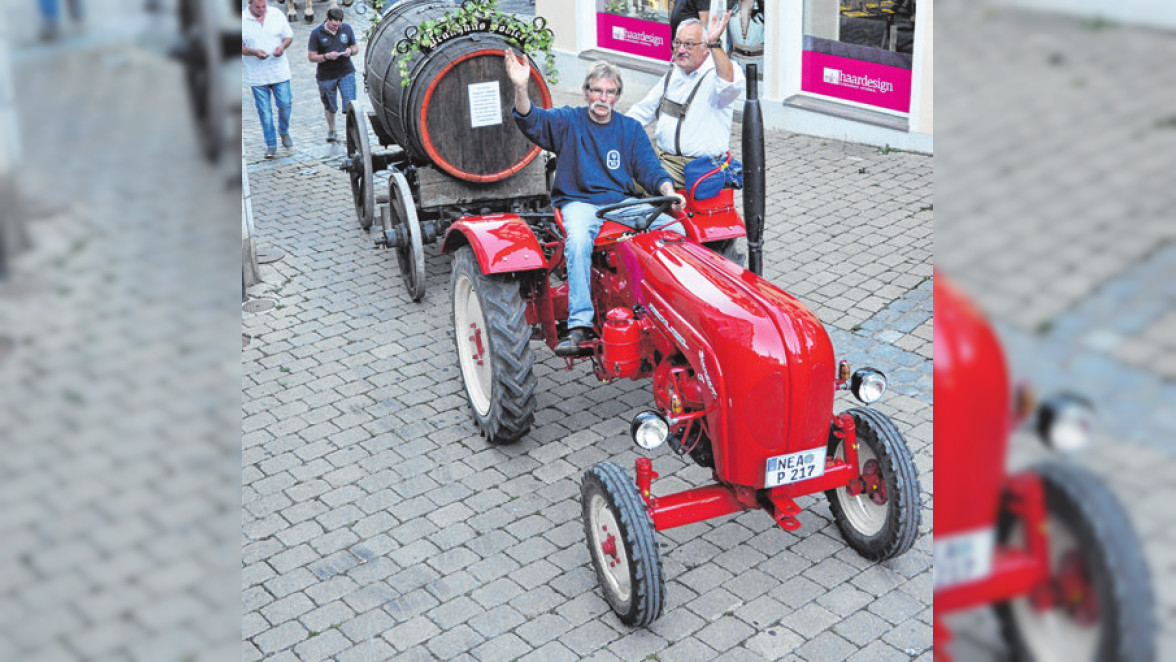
(794, 467)
(963, 558)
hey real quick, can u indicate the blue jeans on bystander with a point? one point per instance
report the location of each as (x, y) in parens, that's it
(261, 99)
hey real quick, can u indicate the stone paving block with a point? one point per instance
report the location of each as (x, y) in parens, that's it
(407, 636)
(322, 646)
(878, 651)
(774, 643)
(366, 625)
(910, 636)
(501, 649)
(372, 649)
(454, 641)
(553, 651)
(713, 603)
(328, 616)
(280, 637)
(287, 608)
(861, 627)
(825, 646)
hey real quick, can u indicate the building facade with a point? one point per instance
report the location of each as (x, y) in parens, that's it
(855, 70)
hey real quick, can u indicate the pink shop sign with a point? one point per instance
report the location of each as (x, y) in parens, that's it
(633, 36)
(854, 80)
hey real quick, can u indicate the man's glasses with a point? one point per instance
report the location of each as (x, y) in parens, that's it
(600, 92)
(688, 44)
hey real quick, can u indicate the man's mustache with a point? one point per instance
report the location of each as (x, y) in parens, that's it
(600, 104)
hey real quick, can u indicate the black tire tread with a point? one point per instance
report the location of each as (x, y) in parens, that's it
(897, 537)
(648, 585)
(1106, 532)
(512, 402)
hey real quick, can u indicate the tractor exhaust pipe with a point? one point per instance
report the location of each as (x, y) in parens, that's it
(753, 173)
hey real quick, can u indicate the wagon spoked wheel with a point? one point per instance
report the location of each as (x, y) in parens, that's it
(359, 155)
(402, 215)
(1097, 603)
(877, 514)
(493, 349)
(622, 544)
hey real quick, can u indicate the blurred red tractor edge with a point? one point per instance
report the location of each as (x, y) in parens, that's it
(1049, 548)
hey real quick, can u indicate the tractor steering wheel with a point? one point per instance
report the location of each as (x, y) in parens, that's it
(661, 205)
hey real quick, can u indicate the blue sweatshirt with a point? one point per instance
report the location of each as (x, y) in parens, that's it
(597, 162)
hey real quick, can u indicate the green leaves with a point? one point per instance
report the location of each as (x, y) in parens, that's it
(533, 38)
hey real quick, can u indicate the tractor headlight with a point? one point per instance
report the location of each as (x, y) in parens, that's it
(1064, 422)
(868, 384)
(649, 430)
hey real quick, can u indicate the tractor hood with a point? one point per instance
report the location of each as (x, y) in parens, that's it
(972, 414)
(765, 360)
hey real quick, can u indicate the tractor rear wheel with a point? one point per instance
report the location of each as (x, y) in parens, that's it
(622, 544)
(881, 520)
(1103, 606)
(493, 349)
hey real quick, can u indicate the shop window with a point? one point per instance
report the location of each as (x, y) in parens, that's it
(644, 27)
(745, 31)
(860, 51)
(635, 27)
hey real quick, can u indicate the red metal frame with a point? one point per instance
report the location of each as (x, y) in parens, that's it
(719, 499)
(1016, 571)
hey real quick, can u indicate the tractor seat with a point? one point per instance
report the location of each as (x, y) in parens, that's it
(609, 233)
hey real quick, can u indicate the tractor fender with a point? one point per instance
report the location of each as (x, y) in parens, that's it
(503, 243)
(972, 414)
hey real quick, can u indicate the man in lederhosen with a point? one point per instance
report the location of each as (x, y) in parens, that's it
(694, 103)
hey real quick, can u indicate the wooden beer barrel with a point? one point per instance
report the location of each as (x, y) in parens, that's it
(456, 110)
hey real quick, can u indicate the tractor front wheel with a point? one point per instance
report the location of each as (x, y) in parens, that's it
(1097, 603)
(622, 544)
(878, 514)
(493, 349)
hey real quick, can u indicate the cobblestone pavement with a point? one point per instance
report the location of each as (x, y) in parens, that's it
(119, 500)
(1056, 138)
(377, 523)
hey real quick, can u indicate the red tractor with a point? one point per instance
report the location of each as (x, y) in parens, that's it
(743, 381)
(1049, 547)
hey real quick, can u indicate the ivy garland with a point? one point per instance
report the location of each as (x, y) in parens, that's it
(377, 16)
(532, 38)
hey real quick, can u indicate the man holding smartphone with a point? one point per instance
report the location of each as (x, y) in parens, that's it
(331, 45)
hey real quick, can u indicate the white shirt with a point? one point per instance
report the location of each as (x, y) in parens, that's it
(707, 131)
(265, 36)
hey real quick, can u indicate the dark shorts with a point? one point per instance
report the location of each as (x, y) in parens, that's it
(345, 87)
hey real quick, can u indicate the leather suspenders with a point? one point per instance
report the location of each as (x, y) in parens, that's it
(678, 110)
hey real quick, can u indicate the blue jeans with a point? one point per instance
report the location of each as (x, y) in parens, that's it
(582, 226)
(261, 99)
(329, 96)
(51, 13)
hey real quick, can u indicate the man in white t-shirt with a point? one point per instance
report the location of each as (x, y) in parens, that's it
(694, 103)
(265, 36)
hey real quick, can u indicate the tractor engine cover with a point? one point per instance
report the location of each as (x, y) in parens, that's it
(765, 360)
